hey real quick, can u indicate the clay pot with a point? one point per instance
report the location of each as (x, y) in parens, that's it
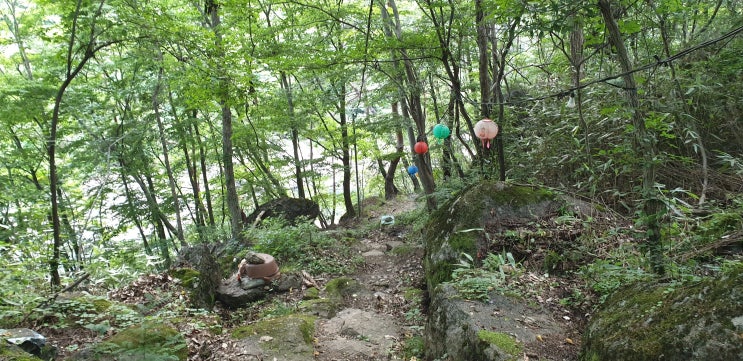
(268, 270)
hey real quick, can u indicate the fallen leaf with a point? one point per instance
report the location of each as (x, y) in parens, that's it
(539, 338)
(568, 340)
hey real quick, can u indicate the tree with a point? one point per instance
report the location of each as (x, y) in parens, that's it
(79, 51)
(651, 205)
(410, 100)
(223, 94)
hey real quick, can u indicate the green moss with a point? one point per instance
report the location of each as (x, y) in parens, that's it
(101, 304)
(413, 294)
(342, 287)
(325, 307)
(311, 294)
(502, 341)
(655, 318)
(187, 276)
(155, 340)
(414, 347)
(279, 328)
(452, 229)
(307, 329)
(10, 352)
(439, 271)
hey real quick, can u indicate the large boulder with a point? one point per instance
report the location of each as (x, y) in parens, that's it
(491, 217)
(457, 226)
(291, 209)
(690, 321)
(502, 329)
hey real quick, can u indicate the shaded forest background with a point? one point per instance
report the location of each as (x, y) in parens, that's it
(131, 129)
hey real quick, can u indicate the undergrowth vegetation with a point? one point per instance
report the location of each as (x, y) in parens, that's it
(605, 256)
(304, 247)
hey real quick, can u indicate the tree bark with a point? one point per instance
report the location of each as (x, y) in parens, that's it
(442, 27)
(411, 104)
(166, 157)
(294, 134)
(223, 91)
(90, 48)
(644, 141)
(204, 175)
(345, 155)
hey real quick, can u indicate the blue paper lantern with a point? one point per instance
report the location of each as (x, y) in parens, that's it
(412, 170)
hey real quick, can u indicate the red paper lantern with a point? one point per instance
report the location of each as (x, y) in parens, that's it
(486, 130)
(421, 147)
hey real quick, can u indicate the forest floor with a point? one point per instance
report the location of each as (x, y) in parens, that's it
(390, 307)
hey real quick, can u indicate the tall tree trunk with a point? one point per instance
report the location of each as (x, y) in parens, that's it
(390, 190)
(486, 37)
(72, 70)
(223, 91)
(133, 211)
(486, 84)
(345, 154)
(204, 174)
(189, 156)
(576, 60)
(644, 141)
(166, 156)
(411, 104)
(286, 85)
(442, 26)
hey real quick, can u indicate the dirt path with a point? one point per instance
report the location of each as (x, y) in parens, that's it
(384, 311)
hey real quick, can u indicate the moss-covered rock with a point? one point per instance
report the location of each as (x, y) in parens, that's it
(288, 338)
(311, 293)
(503, 342)
(342, 287)
(148, 341)
(467, 330)
(456, 227)
(10, 352)
(670, 321)
(459, 226)
(187, 276)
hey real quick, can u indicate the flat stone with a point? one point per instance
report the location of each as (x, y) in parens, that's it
(373, 253)
(17, 336)
(393, 244)
(360, 333)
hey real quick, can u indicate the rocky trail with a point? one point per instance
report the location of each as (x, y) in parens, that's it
(503, 261)
(378, 311)
(382, 308)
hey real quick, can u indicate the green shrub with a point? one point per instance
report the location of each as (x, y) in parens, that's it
(302, 246)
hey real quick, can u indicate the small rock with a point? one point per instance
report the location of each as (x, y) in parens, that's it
(393, 244)
(30, 341)
(373, 253)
